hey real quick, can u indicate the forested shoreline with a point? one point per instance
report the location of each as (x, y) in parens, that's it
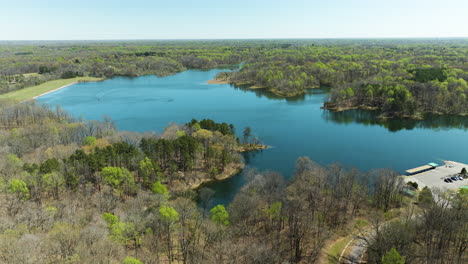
(77, 191)
(183, 156)
(430, 90)
(28, 63)
(399, 77)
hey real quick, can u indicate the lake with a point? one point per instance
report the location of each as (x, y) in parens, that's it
(294, 127)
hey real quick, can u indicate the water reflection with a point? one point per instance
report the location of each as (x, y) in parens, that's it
(365, 117)
(263, 92)
(431, 121)
(250, 155)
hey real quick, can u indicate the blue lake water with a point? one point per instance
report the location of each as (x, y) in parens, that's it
(294, 127)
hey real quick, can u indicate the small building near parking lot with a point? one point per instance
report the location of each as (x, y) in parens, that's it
(433, 176)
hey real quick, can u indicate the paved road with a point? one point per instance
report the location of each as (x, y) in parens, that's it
(358, 248)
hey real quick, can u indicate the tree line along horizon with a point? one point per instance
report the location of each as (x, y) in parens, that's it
(401, 78)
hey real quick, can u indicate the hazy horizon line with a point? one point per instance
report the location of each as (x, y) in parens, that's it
(279, 38)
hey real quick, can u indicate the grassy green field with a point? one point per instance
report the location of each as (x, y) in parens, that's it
(32, 74)
(338, 247)
(31, 92)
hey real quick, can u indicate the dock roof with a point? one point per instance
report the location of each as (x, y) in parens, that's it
(418, 169)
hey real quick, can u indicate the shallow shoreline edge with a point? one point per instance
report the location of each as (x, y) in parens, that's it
(51, 91)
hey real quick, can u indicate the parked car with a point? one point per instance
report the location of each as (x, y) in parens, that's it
(446, 180)
(450, 180)
(460, 178)
(454, 178)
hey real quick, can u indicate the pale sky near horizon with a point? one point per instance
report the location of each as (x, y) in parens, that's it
(218, 19)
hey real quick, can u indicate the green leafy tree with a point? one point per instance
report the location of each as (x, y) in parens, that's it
(180, 133)
(160, 188)
(168, 214)
(89, 141)
(110, 219)
(274, 211)
(425, 196)
(214, 172)
(219, 215)
(463, 171)
(349, 92)
(14, 160)
(12, 165)
(53, 182)
(112, 176)
(393, 257)
(460, 200)
(126, 234)
(49, 166)
(19, 188)
(203, 134)
(196, 127)
(149, 171)
(131, 260)
(119, 179)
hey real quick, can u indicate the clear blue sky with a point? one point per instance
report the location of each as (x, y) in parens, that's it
(220, 19)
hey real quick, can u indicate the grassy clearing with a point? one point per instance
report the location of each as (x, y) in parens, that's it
(360, 223)
(31, 92)
(338, 247)
(30, 75)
